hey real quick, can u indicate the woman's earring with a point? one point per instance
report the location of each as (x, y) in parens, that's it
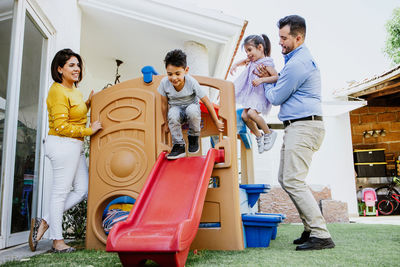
(60, 73)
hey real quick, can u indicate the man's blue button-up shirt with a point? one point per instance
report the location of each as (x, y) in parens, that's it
(298, 89)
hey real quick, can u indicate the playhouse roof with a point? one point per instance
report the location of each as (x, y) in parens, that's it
(141, 32)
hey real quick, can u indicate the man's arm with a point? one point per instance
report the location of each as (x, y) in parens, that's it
(219, 124)
(290, 79)
(271, 77)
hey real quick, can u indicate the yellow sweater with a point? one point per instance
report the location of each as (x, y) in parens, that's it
(67, 112)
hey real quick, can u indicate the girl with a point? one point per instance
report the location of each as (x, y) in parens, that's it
(250, 90)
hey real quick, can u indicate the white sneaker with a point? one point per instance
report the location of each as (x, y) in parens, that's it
(260, 144)
(269, 140)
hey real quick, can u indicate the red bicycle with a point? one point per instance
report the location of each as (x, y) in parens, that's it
(388, 197)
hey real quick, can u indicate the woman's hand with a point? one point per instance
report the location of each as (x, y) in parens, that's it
(89, 100)
(96, 126)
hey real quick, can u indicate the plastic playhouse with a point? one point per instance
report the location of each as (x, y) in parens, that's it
(369, 198)
(172, 198)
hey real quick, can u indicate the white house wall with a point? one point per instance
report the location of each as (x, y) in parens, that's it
(65, 17)
(332, 165)
(85, 27)
(141, 32)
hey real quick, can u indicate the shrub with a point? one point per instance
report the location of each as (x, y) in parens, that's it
(74, 222)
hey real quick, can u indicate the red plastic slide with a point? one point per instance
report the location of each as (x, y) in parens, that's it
(166, 215)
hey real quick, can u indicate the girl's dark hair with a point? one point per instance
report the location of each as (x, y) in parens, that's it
(175, 58)
(256, 40)
(60, 59)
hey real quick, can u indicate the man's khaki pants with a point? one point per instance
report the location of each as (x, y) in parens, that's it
(301, 140)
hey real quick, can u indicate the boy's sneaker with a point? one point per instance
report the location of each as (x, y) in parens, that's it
(260, 144)
(193, 144)
(178, 151)
(269, 140)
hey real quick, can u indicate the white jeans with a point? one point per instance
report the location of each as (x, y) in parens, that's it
(69, 171)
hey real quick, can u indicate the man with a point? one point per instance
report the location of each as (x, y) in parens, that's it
(298, 92)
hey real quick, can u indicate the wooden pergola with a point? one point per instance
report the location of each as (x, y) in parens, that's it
(382, 90)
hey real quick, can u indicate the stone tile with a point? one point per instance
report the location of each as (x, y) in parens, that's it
(334, 211)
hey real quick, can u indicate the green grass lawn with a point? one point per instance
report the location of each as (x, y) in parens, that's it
(356, 245)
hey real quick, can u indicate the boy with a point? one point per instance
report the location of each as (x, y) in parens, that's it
(180, 94)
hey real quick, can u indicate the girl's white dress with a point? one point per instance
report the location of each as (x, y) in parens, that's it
(249, 96)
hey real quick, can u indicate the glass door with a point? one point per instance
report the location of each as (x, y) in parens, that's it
(22, 120)
(6, 11)
(27, 141)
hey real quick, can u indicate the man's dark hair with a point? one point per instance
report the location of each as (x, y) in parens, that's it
(296, 23)
(176, 58)
(60, 59)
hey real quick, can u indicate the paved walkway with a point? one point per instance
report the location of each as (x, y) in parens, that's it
(23, 253)
(394, 220)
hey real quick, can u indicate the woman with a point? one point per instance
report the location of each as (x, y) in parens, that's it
(64, 147)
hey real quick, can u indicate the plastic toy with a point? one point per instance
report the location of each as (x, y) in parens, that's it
(167, 213)
(259, 228)
(124, 153)
(246, 154)
(369, 198)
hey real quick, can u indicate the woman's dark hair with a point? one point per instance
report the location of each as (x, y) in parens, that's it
(60, 59)
(296, 23)
(256, 40)
(176, 58)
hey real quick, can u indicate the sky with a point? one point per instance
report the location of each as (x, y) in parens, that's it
(345, 37)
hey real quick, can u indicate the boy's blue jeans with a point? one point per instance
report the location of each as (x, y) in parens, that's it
(177, 115)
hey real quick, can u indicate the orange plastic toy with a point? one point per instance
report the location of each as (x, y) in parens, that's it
(123, 154)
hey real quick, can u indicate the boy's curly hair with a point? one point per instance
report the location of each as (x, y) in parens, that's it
(176, 58)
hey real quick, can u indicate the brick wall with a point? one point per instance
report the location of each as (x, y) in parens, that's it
(376, 118)
(278, 201)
